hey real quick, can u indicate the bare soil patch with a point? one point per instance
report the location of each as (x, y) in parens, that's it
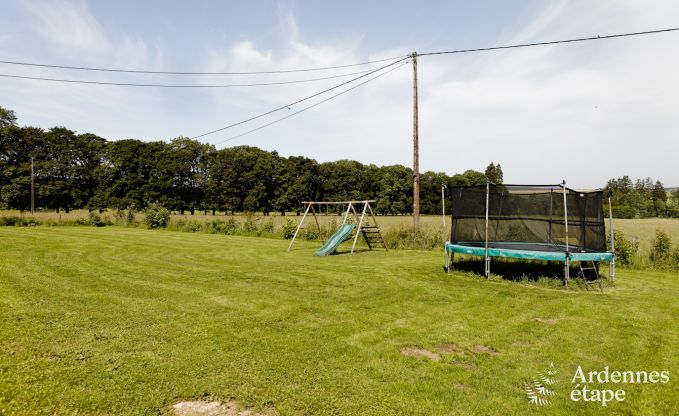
(546, 321)
(449, 348)
(420, 353)
(462, 364)
(484, 349)
(214, 408)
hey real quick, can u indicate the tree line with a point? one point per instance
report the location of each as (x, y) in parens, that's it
(642, 198)
(75, 171)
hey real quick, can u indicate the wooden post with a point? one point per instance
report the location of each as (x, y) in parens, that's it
(360, 224)
(375, 221)
(300, 225)
(416, 151)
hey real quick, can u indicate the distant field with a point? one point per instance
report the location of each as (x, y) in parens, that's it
(644, 229)
(128, 321)
(641, 229)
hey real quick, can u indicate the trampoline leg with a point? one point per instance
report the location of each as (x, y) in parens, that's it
(567, 271)
(487, 267)
(611, 270)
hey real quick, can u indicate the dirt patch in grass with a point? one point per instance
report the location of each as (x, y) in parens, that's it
(215, 408)
(460, 386)
(546, 321)
(463, 364)
(420, 353)
(484, 349)
(449, 348)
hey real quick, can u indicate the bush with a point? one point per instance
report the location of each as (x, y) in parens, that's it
(193, 226)
(625, 249)
(675, 258)
(156, 216)
(10, 221)
(268, 227)
(30, 222)
(95, 220)
(310, 233)
(130, 217)
(82, 221)
(289, 229)
(230, 227)
(662, 248)
(250, 226)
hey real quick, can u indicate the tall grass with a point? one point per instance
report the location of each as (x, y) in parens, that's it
(636, 248)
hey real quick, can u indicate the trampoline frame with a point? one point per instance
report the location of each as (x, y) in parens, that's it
(568, 255)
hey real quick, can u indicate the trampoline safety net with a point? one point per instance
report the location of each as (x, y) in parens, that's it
(528, 217)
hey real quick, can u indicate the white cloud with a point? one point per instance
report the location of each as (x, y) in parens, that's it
(69, 26)
(584, 112)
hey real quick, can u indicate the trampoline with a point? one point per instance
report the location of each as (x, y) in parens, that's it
(530, 222)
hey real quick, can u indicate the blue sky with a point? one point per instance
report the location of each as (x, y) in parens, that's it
(584, 112)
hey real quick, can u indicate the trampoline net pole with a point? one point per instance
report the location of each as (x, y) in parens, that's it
(611, 264)
(565, 218)
(487, 259)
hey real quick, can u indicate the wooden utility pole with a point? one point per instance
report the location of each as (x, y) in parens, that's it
(32, 189)
(416, 151)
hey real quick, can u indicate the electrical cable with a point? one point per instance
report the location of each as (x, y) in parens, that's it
(126, 84)
(554, 42)
(311, 106)
(298, 101)
(140, 71)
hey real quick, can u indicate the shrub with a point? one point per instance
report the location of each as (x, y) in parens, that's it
(82, 221)
(625, 249)
(95, 220)
(250, 226)
(289, 229)
(156, 216)
(230, 227)
(130, 217)
(193, 226)
(30, 222)
(268, 227)
(661, 248)
(10, 221)
(675, 258)
(310, 233)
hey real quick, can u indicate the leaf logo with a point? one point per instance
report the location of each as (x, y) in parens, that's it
(538, 390)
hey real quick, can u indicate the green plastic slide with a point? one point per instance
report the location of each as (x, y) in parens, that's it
(335, 240)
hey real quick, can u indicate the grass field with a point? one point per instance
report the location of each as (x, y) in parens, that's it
(128, 321)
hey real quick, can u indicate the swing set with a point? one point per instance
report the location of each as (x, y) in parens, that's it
(371, 232)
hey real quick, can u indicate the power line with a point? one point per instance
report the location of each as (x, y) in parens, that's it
(311, 106)
(442, 53)
(300, 100)
(554, 42)
(126, 84)
(140, 71)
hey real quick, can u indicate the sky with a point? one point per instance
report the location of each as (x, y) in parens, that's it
(584, 112)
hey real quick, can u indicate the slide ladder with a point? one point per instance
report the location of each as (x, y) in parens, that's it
(336, 239)
(372, 236)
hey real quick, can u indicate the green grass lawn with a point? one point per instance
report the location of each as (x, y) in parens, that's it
(128, 321)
